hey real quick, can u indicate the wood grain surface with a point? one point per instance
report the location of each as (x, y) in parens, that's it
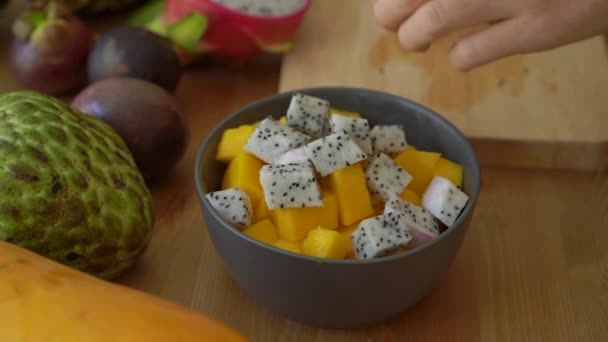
(534, 266)
(541, 105)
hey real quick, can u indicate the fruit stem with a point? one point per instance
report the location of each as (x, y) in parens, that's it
(188, 32)
(29, 24)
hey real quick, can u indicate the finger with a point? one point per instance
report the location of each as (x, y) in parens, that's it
(391, 13)
(436, 18)
(501, 40)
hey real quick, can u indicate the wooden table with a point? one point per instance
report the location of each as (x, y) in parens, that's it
(534, 266)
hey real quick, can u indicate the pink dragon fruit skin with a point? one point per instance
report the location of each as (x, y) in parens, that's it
(237, 35)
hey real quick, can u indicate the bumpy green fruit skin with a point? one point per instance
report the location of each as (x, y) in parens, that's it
(69, 187)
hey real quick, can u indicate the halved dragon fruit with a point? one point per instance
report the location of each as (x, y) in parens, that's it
(385, 178)
(295, 156)
(308, 114)
(388, 139)
(234, 29)
(357, 128)
(380, 235)
(271, 139)
(419, 221)
(234, 205)
(290, 186)
(444, 200)
(334, 152)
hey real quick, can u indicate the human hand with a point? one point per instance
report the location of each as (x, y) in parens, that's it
(515, 26)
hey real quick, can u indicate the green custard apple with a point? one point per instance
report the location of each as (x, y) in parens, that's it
(70, 189)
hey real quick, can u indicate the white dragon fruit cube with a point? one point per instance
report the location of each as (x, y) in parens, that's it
(385, 178)
(389, 139)
(444, 200)
(308, 114)
(290, 186)
(420, 222)
(380, 235)
(271, 138)
(234, 205)
(334, 152)
(295, 156)
(357, 128)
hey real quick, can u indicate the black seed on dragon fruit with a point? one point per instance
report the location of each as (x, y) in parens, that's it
(357, 128)
(385, 178)
(389, 139)
(271, 139)
(379, 236)
(234, 205)
(290, 186)
(334, 152)
(419, 221)
(308, 114)
(444, 200)
(265, 8)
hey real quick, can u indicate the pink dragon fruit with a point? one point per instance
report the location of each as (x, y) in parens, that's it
(444, 200)
(419, 221)
(380, 235)
(233, 205)
(234, 29)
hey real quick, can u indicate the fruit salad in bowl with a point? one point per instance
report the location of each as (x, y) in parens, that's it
(357, 189)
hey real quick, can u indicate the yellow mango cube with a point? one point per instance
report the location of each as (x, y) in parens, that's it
(354, 202)
(410, 196)
(421, 165)
(346, 232)
(378, 205)
(260, 211)
(288, 246)
(295, 223)
(450, 170)
(325, 243)
(344, 113)
(324, 184)
(263, 231)
(232, 142)
(243, 172)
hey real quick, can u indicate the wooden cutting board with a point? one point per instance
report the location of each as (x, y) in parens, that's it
(546, 109)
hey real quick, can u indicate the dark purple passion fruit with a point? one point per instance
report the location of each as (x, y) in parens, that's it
(137, 53)
(145, 115)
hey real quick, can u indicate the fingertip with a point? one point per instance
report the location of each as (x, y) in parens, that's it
(499, 41)
(408, 41)
(384, 17)
(390, 14)
(462, 57)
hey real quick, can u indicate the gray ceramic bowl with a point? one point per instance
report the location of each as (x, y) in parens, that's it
(339, 293)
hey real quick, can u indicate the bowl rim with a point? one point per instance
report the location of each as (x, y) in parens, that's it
(447, 125)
